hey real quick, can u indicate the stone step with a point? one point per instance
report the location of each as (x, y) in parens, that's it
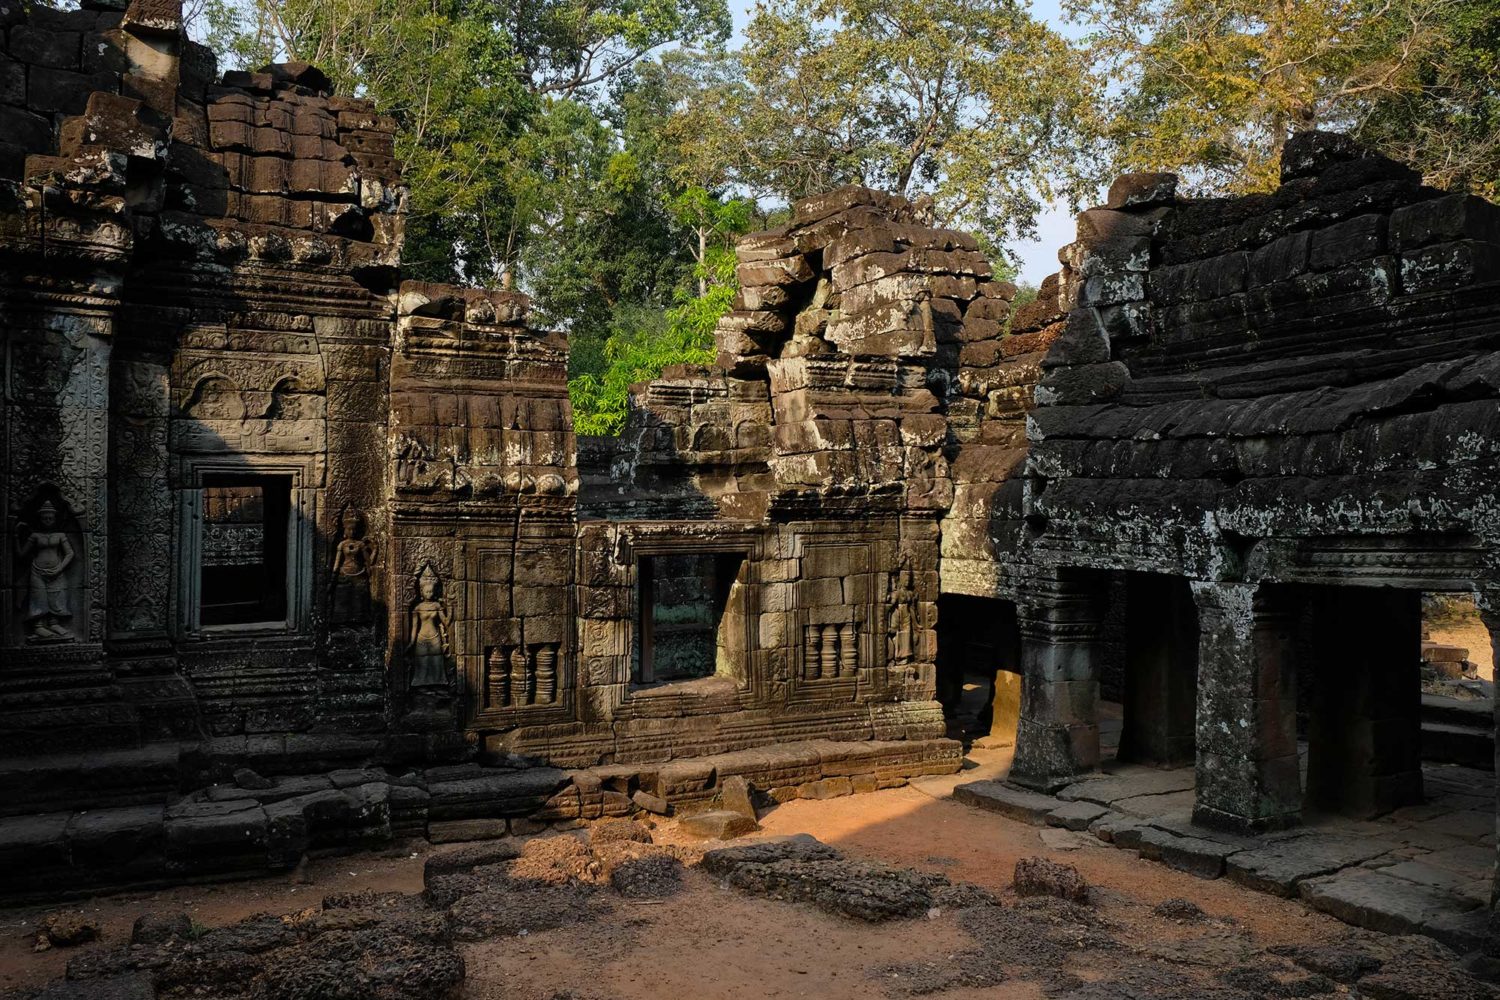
(94, 780)
(1454, 744)
(1478, 713)
(1007, 800)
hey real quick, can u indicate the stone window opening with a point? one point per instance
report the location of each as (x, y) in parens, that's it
(242, 564)
(690, 623)
(246, 564)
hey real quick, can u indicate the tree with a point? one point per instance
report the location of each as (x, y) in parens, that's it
(1213, 88)
(479, 89)
(974, 104)
(641, 342)
(1448, 126)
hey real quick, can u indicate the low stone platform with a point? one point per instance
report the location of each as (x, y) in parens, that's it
(254, 825)
(1424, 869)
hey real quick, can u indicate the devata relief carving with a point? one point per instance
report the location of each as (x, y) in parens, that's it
(351, 576)
(428, 638)
(46, 554)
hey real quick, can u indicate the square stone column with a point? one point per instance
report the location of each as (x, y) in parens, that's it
(1489, 613)
(1161, 671)
(1365, 724)
(1247, 774)
(1057, 737)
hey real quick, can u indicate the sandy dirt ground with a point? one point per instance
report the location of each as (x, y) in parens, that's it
(710, 941)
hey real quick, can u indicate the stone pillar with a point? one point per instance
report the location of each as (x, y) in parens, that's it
(1489, 613)
(1365, 724)
(1057, 737)
(1247, 773)
(1161, 671)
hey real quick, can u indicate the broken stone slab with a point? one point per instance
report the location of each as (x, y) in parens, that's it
(505, 793)
(717, 824)
(1369, 898)
(1158, 805)
(1128, 783)
(1465, 933)
(1458, 883)
(1007, 800)
(1280, 866)
(651, 803)
(1110, 826)
(454, 831)
(250, 779)
(734, 795)
(1076, 815)
(1194, 855)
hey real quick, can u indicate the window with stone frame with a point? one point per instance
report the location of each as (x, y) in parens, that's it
(242, 561)
(682, 633)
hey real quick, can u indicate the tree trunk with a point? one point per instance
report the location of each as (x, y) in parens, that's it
(702, 259)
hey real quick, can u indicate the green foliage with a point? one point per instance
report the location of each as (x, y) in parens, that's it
(504, 135)
(974, 104)
(1448, 124)
(1213, 88)
(642, 341)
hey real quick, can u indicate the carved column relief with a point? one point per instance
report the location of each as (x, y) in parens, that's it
(57, 470)
(141, 542)
(516, 677)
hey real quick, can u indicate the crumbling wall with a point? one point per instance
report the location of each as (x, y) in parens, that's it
(1312, 363)
(817, 451)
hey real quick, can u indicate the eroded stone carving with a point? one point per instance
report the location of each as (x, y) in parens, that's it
(352, 572)
(46, 553)
(428, 643)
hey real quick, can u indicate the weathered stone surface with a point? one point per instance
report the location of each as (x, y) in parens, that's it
(1015, 803)
(717, 824)
(1041, 877)
(1381, 902)
(1076, 815)
(803, 870)
(1281, 866)
(1194, 855)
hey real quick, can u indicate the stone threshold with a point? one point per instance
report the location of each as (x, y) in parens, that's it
(256, 825)
(1420, 870)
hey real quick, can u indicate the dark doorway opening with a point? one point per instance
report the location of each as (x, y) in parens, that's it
(978, 668)
(1159, 686)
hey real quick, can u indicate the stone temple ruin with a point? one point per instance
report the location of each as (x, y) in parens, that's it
(273, 510)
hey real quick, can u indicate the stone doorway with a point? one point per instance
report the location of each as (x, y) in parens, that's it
(979, 669)
(1158, 670)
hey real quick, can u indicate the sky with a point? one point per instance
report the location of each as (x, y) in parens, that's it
(1055, 226)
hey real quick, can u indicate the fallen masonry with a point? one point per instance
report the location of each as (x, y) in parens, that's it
(390, 945)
